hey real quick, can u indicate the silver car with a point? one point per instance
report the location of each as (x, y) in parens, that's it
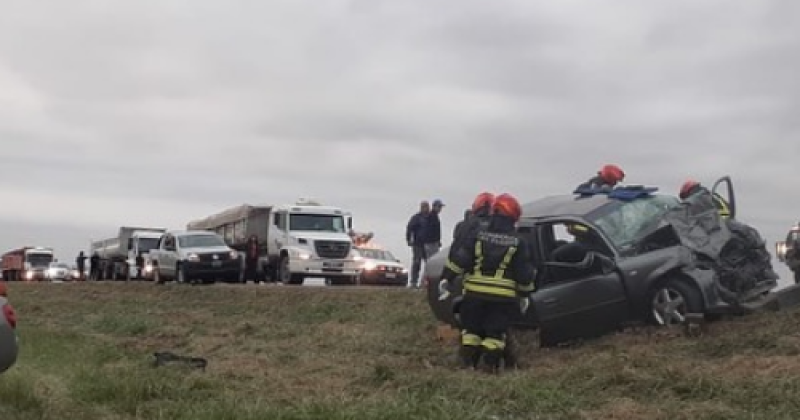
(8, 334)
(58, 271)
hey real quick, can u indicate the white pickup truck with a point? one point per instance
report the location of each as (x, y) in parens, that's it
(192, 256)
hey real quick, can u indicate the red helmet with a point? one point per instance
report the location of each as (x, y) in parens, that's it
(687, 187)
(483, 200)
(612, 174)
(507, 205)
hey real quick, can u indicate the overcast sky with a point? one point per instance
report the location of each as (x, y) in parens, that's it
(158, 112)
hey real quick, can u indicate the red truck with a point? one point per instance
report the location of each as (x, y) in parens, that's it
(26, 263)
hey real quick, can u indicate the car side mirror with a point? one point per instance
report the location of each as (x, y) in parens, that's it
(607, 264)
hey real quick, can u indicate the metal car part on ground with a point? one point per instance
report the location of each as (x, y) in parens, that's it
(788, 251)
(641, 256)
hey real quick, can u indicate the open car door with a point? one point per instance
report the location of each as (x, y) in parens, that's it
(728, 196)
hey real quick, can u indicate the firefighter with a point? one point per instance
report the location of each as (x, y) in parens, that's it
(607, 177)
(476, 219)
(692, 187)
(498, 280)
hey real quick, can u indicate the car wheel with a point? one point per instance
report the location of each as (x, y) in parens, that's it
(672, 301)
(444, 310)
(797, 277)
(180, 276)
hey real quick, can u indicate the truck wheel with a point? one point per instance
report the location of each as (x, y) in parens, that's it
(285, 276)
(672, 301)
(180, 276)
(157, 275)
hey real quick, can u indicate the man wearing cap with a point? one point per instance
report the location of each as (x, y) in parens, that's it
(434, 231)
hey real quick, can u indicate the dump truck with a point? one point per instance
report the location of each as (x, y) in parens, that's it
(788, 251)
(123, 256)
(26, 263)
(305, 239)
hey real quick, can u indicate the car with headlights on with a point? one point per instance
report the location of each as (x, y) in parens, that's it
(8, 335)
(58, 271)
(380, 267)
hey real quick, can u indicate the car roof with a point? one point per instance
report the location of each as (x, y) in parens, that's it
(566, 205)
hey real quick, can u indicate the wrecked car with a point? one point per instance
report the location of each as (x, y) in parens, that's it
(605, 258)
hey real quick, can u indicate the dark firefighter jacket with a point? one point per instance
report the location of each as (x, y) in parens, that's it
(495, 264)
(593, 183)
(467, 230)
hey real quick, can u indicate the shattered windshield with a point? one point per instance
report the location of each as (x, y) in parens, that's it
(627, 223)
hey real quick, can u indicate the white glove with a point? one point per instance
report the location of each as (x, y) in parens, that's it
(444, 291)
(524, 304)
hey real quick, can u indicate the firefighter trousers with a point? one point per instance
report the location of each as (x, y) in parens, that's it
(485, 324)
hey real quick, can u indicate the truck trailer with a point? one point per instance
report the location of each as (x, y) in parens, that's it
(26, 263)
(300, 240)
(123, 256)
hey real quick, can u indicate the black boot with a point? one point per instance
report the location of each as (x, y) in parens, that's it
(470, 356)
(491, 360)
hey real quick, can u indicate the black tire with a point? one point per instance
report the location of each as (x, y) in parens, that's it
(285, 276)
(344, 281)
(669, 303)
(797, 277)
(157, 275)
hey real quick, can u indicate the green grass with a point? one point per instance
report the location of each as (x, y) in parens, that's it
(343, 353)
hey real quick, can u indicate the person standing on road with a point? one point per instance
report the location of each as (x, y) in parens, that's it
(94, 266)
(81, 263)
(416, 237)
(251, 259)
(498, 281)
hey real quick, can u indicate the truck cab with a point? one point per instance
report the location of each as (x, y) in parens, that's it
(311, 240)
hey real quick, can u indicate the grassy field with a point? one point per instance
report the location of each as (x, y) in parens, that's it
(326, 353)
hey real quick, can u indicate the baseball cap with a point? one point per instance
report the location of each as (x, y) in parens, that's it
(438, 203)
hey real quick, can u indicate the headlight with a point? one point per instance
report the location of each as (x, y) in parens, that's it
(304, 255)
(29, 275)
(234, 255)
(369, 265)
(52, 272)
(192, 257)
(148, 268)
(404, 270)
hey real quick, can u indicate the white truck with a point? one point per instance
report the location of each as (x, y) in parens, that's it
(194, 255)
(119, 255)
(300, 240)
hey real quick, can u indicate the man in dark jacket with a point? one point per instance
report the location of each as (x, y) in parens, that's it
(80, 261)
(94, 267)
(498, 280)
(433, 239)
(251, 259)
(416, 237)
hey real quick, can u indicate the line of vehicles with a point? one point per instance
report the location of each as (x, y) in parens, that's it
(294, 242)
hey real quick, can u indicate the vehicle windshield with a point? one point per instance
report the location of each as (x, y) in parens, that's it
(200, 241)
(316, 222)
(376, 254)
(147, 244)
(627, 223)
(37, 259)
